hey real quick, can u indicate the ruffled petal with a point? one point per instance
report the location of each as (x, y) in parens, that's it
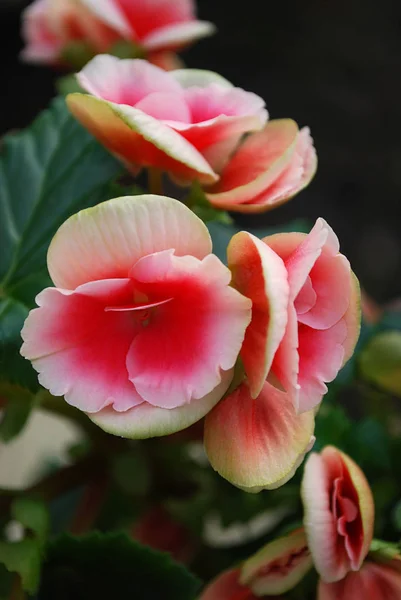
(259, 274)
(279, 566)
(105, 241)
(227, 587)
(176, 36)
(373, 581)
(68, 341)
(257, 444)
(138, 139)
(146, 421)
(179, 356)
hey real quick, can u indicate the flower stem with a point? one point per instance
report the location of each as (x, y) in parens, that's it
(155, 181)
(90, 505)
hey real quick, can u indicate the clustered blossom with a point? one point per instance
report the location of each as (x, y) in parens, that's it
(192, 123)
(155, 29)
(336, 540)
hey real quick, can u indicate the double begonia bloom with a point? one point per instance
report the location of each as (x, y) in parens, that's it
(339, 513)
(275, 569)
(268, 169)
(185, 122)
(374, 581)
(143, 329)
(305, 324)
(155, 28)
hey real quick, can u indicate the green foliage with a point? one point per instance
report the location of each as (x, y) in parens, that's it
(24, 557)
(131, 472)
(112, 566)
(380, 361)
(19, 403)
(47, 172)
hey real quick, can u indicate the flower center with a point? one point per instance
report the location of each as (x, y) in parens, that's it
(141, 311)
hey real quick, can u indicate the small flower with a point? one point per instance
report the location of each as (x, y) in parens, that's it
(183, 122)
(339, 514)
(275, 569)
(143, 329)
(268, 169)
(305, 310)
(155, 29)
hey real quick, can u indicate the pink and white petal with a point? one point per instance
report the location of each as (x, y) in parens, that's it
(179, 356)
(109, 12)
(260, 275)
(67, 339)
(146, 421)
(352, 319)
(199, 78)
(256, 165)
(279, 566)
(227, 587)
(107, 240)
(125, 81)
(165, 106)
(255, 443)
(330, 559)
(42, 44)
(285, 365)
(321, 356)
(140, 140)
(177, 35)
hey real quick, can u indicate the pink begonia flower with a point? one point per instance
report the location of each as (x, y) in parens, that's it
(185, 122)
(275, 569)
(155, 28)
(339, 513)
(305, 315)
(268, 169)
(143, 329)
(374, 581)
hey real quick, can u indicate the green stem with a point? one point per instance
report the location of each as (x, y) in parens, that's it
(155, 181)
(17, 593)
(90, 505)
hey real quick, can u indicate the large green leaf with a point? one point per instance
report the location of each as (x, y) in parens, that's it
(104, 566)
(47, 172)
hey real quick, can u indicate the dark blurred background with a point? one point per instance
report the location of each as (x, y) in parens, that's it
(335, 66)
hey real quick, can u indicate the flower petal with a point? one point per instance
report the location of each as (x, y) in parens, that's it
(373, 581)
(145, 421)
(199, 78)
(107, 240)
(334, 554)
(177, 35)
(68, 341)
(205, 314)
(257, 444)
(352, 319)
(259, 274)
(227, 587)
(139, 139)
(125, 81)
(279, 566)
(109, 12)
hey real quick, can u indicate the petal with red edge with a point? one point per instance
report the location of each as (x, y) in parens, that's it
(146, 421)
(279, 566)
(257, 443)
(373, 581)
(333, 485)
(139, 139)
(68, 340)
(179, 356)
(108, 11)
(259, 274)
(177, 35)
(258, 162)
(107, 240)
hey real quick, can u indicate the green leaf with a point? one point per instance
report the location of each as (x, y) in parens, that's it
(131, 472)
(19, 404)
(380, 361)
(47, 172)
(24, 558)
(222, 233)
(33, 515)
(105, 566)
